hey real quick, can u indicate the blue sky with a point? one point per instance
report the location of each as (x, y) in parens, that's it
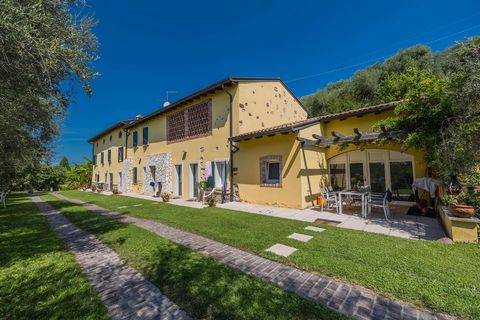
(150, 47)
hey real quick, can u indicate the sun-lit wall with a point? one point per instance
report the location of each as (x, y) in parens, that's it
(110, 141)
(265, 105)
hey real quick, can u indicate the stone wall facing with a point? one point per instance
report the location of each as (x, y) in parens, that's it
(163, 173)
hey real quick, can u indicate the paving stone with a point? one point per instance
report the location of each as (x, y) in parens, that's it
(122, 289)
(351, 300)
(121, 207)
(281, 250)
(300, 237)
(138, 205)
(316, 229)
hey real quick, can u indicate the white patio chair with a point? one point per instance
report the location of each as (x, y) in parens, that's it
(3, 198)
(380, 200)
(329, 198)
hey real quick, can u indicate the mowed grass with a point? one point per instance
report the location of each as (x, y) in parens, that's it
(39, 277)
(201, 286)
(443, 278)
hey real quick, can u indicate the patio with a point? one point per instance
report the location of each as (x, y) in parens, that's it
(401, 224)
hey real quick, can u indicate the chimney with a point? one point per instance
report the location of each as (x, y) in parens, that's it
(138, 117)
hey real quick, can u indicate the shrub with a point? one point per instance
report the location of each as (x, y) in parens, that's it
(165, 196)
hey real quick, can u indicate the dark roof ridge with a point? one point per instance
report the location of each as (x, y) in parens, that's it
(119, 124)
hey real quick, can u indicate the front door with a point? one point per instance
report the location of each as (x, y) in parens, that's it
(110, 182)
(120, 182)
(194, 179)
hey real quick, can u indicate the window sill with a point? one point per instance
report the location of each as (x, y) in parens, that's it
(271, 185)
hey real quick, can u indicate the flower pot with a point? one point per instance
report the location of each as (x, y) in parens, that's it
(320, 201)
(462, 211)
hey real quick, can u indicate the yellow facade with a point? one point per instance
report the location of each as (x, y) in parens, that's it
(305, 169)
(266, 105)
(196, 150)
(256, 105)
(107, 172)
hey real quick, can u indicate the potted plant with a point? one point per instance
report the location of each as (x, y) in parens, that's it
(165, 196)
(212, 200)
(462, 205)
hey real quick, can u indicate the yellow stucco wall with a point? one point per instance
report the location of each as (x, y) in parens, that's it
(247, 177)
(195, 150)
(365, 124)
(263, 105)
(104, 143)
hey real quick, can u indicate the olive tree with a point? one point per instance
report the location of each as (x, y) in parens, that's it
(46, 48)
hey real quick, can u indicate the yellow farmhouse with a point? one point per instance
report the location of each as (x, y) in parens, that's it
(256, 133)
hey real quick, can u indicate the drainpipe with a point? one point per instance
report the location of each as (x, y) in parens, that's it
(230, 140)
(127, 133)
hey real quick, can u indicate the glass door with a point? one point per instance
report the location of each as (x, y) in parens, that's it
(377, 176)
(357, 177)
(194, 180)
(178, 180)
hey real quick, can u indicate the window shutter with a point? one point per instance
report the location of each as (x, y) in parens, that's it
(145, 135)
(135, 139)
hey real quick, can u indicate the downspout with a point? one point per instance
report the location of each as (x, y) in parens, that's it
(230, 142)
(127, 133)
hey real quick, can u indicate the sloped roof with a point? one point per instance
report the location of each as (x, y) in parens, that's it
(295, 126)
(208, 90)
(117, 125)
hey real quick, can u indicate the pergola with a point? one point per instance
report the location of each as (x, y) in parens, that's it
(357, 137)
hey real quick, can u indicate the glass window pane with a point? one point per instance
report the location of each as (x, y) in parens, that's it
(401, 175)
(356, 175)
(273, 171)
(377, 176)
(338, 176)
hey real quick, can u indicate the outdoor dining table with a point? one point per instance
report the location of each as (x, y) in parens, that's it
(362, 195)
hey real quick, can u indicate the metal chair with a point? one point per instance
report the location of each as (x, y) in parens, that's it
(329, 198)
(380, 200)
(3, 198)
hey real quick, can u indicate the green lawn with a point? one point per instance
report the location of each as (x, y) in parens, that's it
(201, 286)
(441, 277)
(39, 277)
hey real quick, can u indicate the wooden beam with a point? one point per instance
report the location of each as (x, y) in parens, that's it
(310, 143)
(337, 134)
(358, 132)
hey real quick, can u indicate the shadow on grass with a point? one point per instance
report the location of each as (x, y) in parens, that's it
(201, 286)
(209, 289)
(39, 278)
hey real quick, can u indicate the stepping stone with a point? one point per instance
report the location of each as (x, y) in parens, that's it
(121, 207)
(281, 250)
(300, 237)
(316, 229)
(137, 205)
(154, 202)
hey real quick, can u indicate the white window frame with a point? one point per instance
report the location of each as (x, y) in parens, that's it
(191, 187)
(176, 179)
(386, 158)
(219, 182)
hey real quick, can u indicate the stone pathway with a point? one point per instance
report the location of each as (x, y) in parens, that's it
(351, 300)
(123, 290)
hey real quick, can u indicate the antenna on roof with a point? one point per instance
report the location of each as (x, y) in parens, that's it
(167, 102)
